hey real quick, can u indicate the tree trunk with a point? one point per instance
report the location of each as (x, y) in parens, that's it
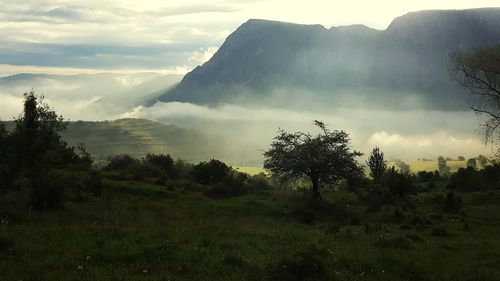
(315, 188)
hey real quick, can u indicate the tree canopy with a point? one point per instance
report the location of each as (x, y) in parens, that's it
(479, 71)
(324, 158)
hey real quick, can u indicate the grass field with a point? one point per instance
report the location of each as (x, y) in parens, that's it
(415, 166)
(140, 231)
(429, 166)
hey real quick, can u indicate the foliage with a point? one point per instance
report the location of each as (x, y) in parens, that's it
(470, 179)
(325, 158)
(162, 161)
(377, 164)
(210, 172)
(34, 153)
(472, 163)
(122, 162)
(424, 176)
(397, 182)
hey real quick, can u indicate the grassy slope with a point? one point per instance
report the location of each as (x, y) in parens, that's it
(138, 231)
(137, 137)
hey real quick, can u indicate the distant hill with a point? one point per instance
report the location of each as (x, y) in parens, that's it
(403, 67)
(110, 91)
(137, 137)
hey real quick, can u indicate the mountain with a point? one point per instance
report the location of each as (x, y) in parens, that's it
(403, 67)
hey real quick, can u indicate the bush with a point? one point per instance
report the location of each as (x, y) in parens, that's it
(121, 162)
(259, 183)
(232, 185)
(398, 183)
(164, 162)
(210, 172)
(144, 170)
(424, 176)
(375, 196)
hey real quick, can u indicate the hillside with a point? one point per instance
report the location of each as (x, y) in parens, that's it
(402, 67)
(138, 137)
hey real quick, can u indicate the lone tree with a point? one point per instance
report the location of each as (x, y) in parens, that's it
(479, 71)
(377, 164)
(325, 158)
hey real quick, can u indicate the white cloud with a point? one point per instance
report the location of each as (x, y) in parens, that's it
(203, 55)
(427, 146)
(45, 30)
(404, 134)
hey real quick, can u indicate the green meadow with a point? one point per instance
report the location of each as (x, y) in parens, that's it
(137, 230)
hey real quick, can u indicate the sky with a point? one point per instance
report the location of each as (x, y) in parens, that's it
(69, 37)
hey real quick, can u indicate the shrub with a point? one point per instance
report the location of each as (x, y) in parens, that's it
(120, 162)
(375, 196)
(210, 172)
(424, 176)
(143, 170)
(232, 185)
(163, 162)
(398, 183)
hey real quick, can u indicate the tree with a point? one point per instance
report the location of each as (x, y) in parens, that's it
(210, 172)
(325, 158)
(162, 161)
(36, 154)
(377, 164)
(472, 163)
(483, 160)
(479, 71)
(37, 132)
(443, 169)
(403, 167)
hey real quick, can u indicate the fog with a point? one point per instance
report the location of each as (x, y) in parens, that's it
(249, 127)
(409, 134)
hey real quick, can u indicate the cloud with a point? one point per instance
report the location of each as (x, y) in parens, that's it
(403, 135)
(106, 34)
(427, 146)
(203, 55)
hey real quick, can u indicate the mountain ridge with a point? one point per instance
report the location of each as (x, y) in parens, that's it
(408, 61)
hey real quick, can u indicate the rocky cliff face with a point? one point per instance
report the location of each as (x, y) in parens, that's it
(404, 66)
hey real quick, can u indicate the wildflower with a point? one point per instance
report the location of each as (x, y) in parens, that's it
(79, 267)
(87, 258)
(144, 271)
